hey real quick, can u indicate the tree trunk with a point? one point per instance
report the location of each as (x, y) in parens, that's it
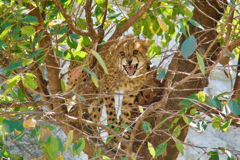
(180, 65)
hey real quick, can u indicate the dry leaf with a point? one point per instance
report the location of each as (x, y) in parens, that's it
(45, 134)
(76, 72)
(16, 132)
(29, 123)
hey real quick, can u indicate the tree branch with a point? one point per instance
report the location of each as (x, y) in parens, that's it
(105, 14)
(11, 8)
(234, 44)
(131, 20)
(91, 30)
(69, 20)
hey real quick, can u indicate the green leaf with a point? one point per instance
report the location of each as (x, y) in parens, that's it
(82, 98)
(51, 128)
(201, 96)
(28, 30)
(5, 32)
(179, 146)
(151, 149)
(69, 140)
(63, 30)
(100, 60)
(13, 81)
(93, 74)
(201, 63)
(75, 36)
(109, 139)
(97, 153)
(35, 53)
(228, 53)
(30, 19)
(29, 81)
(18, 137)
(86, 41)
(153, 49)
(79, 146)
(225, 126)
(72, 43)
(161, 148)
(193, 111)
(161, 74)
(52, 148)
(214, 102)
(33, 133)
(146, 126)
(234, 107)
(214, 157)
(173, 122)
(186, 119)
(126, 126)
(60, 145)
(95, 81)
(1, 42)
(124, 158)
(27, 62)
(114, 15)
(195, 23)
(183, 29)
(36, 40)
(105, 157)
(177, 131)
(14, 65)
(216, 125)
(188, 46)
(188, 102)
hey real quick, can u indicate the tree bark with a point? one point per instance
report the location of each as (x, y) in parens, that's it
(202, 13)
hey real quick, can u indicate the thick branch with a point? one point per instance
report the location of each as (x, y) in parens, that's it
(87, 7)
(69, 20)
(234, 44)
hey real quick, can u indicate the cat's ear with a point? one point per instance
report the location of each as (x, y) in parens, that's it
(146, 43)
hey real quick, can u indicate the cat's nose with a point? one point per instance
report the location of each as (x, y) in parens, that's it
(129, 62)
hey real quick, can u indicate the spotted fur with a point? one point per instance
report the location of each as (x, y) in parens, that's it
(127, 66)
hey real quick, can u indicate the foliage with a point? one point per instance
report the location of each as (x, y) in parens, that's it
(32, 36)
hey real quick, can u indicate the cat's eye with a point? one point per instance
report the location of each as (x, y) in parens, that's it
(135, 52)
(122, 53)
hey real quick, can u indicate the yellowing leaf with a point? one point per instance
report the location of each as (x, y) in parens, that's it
(179, 146)
(140, 109)
(29, 123)
(45, 134)
(6, 91)
(17, 132)
(201, 96)
(162, 24)
(107, 24)
(5, 32)
(28, 30)
(69, 140)
(151, 149)
(60, 157)
(13, 81)
(95, 81)
(151, 28)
